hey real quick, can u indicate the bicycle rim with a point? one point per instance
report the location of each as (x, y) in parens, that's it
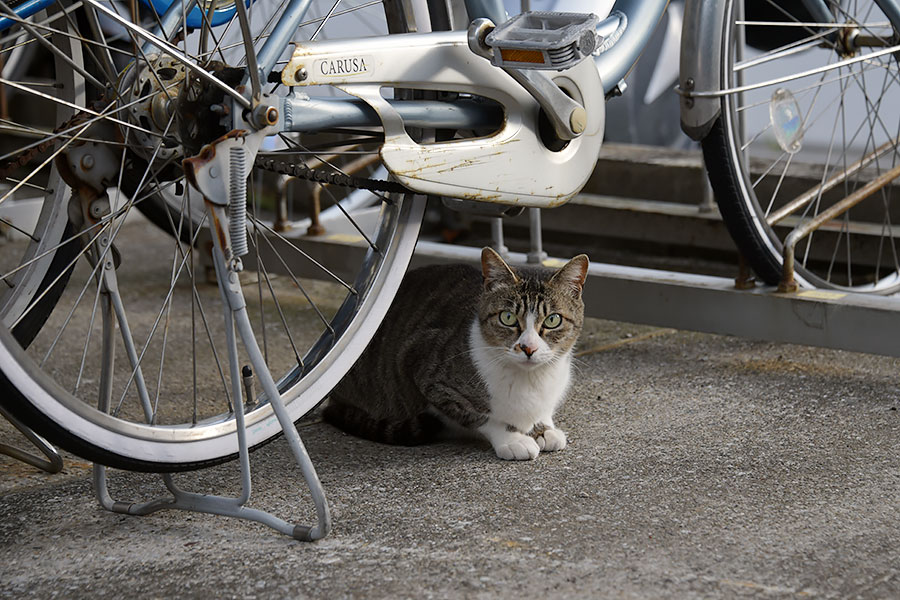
(310, 331)
(37, 280)
(817, 121)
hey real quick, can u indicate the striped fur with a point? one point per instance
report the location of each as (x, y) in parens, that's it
(441, 350)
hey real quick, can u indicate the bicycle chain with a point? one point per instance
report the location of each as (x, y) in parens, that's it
(268, 163)
(26, 156)
(283, 167)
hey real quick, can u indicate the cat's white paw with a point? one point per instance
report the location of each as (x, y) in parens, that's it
(551, 440)
(524, 448)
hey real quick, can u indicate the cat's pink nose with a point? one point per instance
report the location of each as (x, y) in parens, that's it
(528, 350)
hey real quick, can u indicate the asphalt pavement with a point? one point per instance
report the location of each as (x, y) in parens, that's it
(698, 466)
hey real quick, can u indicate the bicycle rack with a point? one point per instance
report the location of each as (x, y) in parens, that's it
(787, 283)
(53, 463)
(235, 314)
(840, 320)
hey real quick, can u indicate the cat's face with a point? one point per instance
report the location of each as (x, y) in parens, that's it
(533, 316)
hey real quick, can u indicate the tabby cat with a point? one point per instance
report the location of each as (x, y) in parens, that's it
(460, 350)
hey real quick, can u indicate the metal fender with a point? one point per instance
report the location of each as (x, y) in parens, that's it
(701, 64)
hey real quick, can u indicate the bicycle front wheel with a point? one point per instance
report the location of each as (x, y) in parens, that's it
(811, 118)
(153, 348)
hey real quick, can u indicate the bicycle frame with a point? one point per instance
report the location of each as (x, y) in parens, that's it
(630, 25)
(625, 31)
(477, 174)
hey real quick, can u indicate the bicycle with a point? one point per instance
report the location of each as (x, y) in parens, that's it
(128, 110)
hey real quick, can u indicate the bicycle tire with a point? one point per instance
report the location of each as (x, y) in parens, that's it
(34, 396)
(755, 168)
(38, 401)
(32, 292)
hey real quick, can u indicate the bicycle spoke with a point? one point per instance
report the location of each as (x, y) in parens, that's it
(101, 258)
(197, 303)
(96, 118)
(307, 23)
(79, 108)
(795, 48)
(87, 340)
(299, 251)
(206, 32)
(50, 19)
(105, 220)
(260, 267)
(173, 278)
(138, 359)
(174, 53)
(75, 304)
(787, 165)
(298, 285)
(73, 118)
(106, 66)
(105, 48)
(352, 221)
(263, 32)
(44, 136)
(792, 20)
(345, 11)
(325, 20)
(273, 295)
(322, 160)
(12, 226)
(46, 162)
(10, 14)
(815, 86)
(249, 50)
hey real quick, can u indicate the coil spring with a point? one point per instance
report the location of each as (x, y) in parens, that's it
(559, 56)
(237, 188)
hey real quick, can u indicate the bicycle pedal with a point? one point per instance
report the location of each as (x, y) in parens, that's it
(543, 40)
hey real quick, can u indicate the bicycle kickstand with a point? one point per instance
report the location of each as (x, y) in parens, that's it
(228, 266)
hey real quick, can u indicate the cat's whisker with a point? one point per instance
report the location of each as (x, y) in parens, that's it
(579, 366)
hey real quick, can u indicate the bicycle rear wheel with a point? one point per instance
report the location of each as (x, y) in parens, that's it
(32, 290)
(167, 326)
(815, 117)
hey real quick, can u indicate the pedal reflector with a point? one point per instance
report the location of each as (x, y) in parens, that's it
(522, 56)
(543, 40)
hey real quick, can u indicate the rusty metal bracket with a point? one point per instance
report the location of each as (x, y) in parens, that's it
(787, 283)
(818, 190)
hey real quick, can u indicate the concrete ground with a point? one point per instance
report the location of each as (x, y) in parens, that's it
(698, 467)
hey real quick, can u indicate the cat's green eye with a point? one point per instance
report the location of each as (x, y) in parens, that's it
(553, 321)
(508, 319)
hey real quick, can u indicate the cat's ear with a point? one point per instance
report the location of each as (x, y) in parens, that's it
(572, 275)
(495, 270)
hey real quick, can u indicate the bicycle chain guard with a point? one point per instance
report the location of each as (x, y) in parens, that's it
(510, 166)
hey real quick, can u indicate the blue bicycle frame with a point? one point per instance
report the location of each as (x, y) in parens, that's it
(194, 16)
(24, 10)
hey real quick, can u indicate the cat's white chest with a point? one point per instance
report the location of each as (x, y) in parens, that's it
(520, 397)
